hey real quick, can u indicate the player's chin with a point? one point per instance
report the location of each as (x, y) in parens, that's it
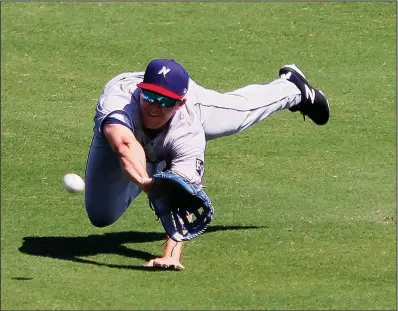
(153, 123)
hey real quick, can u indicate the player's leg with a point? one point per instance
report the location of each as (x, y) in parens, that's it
(108, 191)
(224, 114)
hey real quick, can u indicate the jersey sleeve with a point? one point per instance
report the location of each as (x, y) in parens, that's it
(187, 156)
(115, 107)
(117, 118)
(115, 103)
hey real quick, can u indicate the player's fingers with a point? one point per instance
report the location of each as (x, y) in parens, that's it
(162, 265)
(149, 263)
(176, 266)
(147, 184)
(159, 262)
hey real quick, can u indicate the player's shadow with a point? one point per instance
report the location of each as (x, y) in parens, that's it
(73, 248)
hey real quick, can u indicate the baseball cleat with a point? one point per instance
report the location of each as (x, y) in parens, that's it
(313, 102)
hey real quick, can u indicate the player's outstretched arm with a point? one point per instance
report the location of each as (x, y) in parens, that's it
(130, 153)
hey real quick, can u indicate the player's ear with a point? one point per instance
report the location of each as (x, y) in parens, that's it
(182, 103)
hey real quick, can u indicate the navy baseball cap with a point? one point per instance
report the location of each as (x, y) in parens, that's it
(166, 77)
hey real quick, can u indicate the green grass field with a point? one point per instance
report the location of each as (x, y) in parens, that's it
(305, 215)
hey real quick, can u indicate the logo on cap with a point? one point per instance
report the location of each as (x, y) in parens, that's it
(164, 71)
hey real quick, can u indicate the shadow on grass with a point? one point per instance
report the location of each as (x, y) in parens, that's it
(72, 248)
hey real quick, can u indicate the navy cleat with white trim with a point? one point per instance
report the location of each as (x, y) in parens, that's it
(313, 102)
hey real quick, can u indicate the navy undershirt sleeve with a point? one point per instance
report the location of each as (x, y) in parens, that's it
(111, 120)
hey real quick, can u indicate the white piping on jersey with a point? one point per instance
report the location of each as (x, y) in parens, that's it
(253, 109)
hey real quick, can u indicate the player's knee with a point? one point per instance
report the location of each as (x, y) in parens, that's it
(104, 210)
(100, 215)
(102, 220)
(99, 222)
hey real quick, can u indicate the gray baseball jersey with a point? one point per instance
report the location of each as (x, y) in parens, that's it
(179, 146)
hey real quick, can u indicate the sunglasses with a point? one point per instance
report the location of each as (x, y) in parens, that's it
(163, 101)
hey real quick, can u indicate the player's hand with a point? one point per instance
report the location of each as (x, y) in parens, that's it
(165, 263)
(146, 185)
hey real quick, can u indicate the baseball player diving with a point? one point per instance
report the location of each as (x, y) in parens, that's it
(150, 134)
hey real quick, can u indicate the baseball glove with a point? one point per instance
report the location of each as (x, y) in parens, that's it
(184, 209)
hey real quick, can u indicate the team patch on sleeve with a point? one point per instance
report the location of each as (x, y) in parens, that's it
(199, 167)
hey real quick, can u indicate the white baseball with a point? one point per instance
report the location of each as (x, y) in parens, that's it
(73, 183)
